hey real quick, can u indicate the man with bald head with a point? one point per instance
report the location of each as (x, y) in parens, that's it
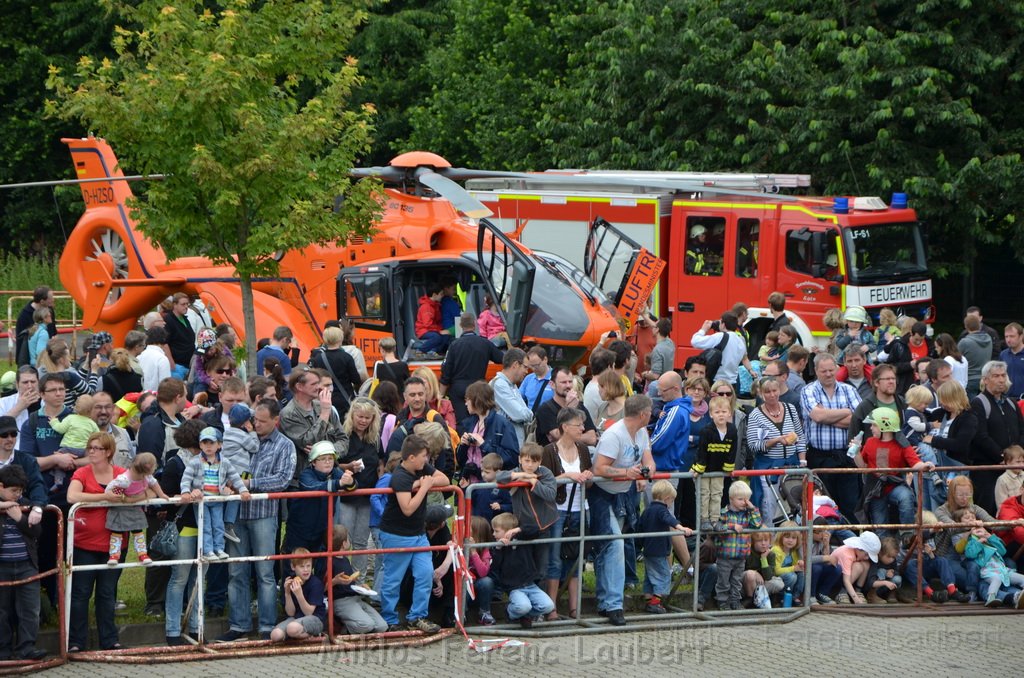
(671, 436)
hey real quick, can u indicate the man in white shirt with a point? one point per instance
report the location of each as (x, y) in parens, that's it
(733, 353)
(155, 362)
(20, 404)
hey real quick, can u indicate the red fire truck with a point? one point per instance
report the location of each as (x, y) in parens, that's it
(740, 239)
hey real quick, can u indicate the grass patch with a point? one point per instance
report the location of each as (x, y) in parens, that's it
(27, 273)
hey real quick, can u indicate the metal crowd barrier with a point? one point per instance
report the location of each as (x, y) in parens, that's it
(677, 617)
(15, 666)
(201, 651)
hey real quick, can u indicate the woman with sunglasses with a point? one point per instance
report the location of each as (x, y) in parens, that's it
(91, 543)
(219, 368)
(775, 435)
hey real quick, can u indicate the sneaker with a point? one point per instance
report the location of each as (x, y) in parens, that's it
(176, 641)
(814, 602)
(825, 600)
(120, 606)
(145, 560)
(940, 596)
(210, 555)
(843, 598)
(1018, 600)
(655, 607)
(993, 601)
(616, 618)
(154, 612)
(229, 534)
(221, 555)
(526, 622)
(395, 628)
(33, 655)
(232, 636)
(873, 598)
(960, 597)
(486, 619)
(112, 562)
(706, 526)
(425, 625)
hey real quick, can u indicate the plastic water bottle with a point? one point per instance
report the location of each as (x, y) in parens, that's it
(855, 444)
(787, 598)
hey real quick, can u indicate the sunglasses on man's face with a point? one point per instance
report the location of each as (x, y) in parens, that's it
(9, 434)
(225, 370)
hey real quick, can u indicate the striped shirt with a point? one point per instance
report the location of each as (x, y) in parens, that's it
(211, 479)
(12, 541)
(827, 436)
(271, 467)
(760, 428)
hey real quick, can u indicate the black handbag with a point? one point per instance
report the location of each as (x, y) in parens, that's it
(570, 550)
(164, 545)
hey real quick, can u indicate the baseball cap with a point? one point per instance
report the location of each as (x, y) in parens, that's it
(437, 514)
(209, 433)
(239, 414)
(868, 542)
(8, 425)
(96, 341)
(320, 449)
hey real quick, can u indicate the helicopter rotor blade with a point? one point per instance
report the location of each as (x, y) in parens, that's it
(388, 174)
(453, 193)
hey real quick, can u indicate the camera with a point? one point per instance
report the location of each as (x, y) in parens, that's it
(613, 335)
(716, 325)
(470, 470)
(646, 472)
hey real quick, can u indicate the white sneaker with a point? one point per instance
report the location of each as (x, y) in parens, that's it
(210, 555)
(221, 555)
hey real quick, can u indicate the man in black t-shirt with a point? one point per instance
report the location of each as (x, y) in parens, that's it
(402, 525)
(565, 396)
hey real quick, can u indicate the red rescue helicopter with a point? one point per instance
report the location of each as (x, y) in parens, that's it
(116, 274)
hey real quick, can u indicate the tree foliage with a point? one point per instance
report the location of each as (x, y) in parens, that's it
(244, 106)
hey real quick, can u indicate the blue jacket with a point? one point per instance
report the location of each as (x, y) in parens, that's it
(307, 518)
(671, 438)
(499, 437)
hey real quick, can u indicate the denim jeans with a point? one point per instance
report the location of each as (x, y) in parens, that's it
(556, 567)
(708, 582)
(213, 527)
(933, 568)
(82, 585)
(966, 572)
(629, 510)
(395, 566)
(529, 600)
(434, 342)
(179, 590)
(824, 578)
(231, 511)
(256, 538)
(902, 497)
(609, 565)
(794, 581)
(19, 607)
(354, 513)
(484, 589)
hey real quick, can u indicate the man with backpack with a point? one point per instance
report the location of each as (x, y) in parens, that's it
(723, 347)
(414, 412)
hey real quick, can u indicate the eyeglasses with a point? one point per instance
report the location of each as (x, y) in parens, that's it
(723, 393)
(225, 370)
(9, 434)
(96, 448)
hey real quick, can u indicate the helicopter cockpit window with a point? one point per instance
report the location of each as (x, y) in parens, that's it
(705, 243)
(364, 297)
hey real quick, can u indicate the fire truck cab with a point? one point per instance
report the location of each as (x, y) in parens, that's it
(722, 248)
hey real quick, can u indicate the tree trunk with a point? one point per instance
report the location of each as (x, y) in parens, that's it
(249, 316)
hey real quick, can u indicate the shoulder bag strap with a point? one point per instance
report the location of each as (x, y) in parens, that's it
(330, 370)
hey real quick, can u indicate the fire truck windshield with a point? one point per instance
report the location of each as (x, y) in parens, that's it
(884, 252)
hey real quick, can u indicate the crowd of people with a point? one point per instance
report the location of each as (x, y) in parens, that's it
(171, 413)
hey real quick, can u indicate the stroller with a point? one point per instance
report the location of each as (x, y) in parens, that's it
(787, 492)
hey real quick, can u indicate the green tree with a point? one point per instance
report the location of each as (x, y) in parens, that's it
(244, 106)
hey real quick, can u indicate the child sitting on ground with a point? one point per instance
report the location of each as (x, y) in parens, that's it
(19, 605)
(658, 550)
(240, 443)
(987, 550)
(514, 569)
(824, 574)
(789, 563)
(208, 475)
(137, 481)
(480, 568)
(489, 503)
(760, 571)
(349, 607)
(1010, 482)
(76, 429)
(304, 601)
(854, 558)
(934, 567)
(734, 545)
(887, 578)
(716, 453)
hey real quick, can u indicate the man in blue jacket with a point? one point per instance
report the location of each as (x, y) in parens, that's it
(671, 437)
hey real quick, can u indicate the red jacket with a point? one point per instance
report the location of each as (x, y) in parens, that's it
(1012, 509)
(428, 316)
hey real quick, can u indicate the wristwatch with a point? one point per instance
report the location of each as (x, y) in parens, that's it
(37, 508)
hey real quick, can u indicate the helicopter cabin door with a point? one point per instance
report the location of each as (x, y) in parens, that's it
(508, 274)
(621, 267)
(364, 298)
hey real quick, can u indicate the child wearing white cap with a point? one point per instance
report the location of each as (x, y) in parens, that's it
(853, 559)
(208, 475)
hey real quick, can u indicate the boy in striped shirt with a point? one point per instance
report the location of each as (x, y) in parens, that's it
(734, 544)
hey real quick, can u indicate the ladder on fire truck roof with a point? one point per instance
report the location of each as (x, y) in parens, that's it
(633, 181)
